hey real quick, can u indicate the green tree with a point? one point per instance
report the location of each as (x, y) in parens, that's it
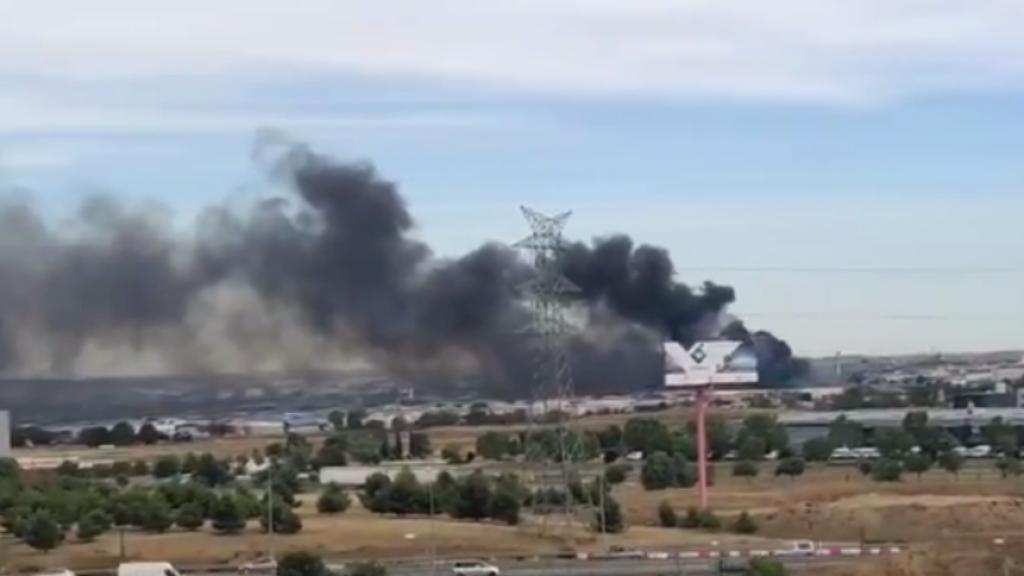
(337, 420)
(333, 452)
(140, 468)
(791, 467)
(744, 524)
(156, 516)
(745, 469)
(753, 449)
(333, 500)
(609, 518)
(92, 525)
(286, 521)
(94, 436)
(647, 435)
(845, 432)
(190, 516)
(419, 445)
(493, 445)
(505, 504)
(918, 463)
(40, 531)
(1002, 437)
(166, 466)
(894, 443)
(474, 497)
(616, 473)
(766, 567)
(148, 434)
(355, 418)
(667, 515)
(658, 472)
(122, 434)
(210, 471)
(302, 564)
(951, 462)
(227, 515)
(887, 470)
(817, 450)
(767, 428)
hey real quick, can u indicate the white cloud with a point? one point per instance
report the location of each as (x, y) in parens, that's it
(832, 51)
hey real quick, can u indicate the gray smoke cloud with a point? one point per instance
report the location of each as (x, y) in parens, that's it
(325, 277)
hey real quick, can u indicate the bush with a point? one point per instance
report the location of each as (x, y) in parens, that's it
(156, 517)
(709, 521)
(745, 469)
(93, 524)
(744, 524)
(616, 473)
(951, 462)
(493, 445)
(886, 470)
(140, 468)
(190, 517)
(700, 519)
(766, 567)
(227, 515)
(611, 520)
(334, 500)
(302, 564)
(505, 505)
(667, 515)
(452, 455)
(40, 531)
(817, 450)
(791, 467)
(918, 463)
(419, 445)
(659, 472)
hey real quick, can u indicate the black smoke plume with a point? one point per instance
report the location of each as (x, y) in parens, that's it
(329, 277)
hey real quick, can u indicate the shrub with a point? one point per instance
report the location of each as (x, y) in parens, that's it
(817, 450)
(190, 516)
(302, 564)
(886, 470)
(41, 531)
(92, 525)
(659, 472)
(616, 473)
(744, 524)
(745, 469)
(791, 467)
(334, 500)
(667, 515)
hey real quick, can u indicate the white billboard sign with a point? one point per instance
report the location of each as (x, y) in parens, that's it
(707, 363)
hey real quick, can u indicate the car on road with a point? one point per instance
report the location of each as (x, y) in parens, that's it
(798, 548)
(259, 566)
(474, 568)
(621, 553)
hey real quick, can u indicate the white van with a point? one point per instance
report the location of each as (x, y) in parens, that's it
(147, 569)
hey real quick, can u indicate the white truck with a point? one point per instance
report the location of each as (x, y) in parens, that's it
(147, 569)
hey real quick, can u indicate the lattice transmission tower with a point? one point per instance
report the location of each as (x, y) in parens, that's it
(547, 294)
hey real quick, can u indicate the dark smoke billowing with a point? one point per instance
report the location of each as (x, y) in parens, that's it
(328, 278)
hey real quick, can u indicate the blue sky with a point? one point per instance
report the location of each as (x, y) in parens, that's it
(853, 169)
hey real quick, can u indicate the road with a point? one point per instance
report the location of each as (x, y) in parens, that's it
(609, 568)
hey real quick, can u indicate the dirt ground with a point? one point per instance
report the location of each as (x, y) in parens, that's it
(838, 505)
